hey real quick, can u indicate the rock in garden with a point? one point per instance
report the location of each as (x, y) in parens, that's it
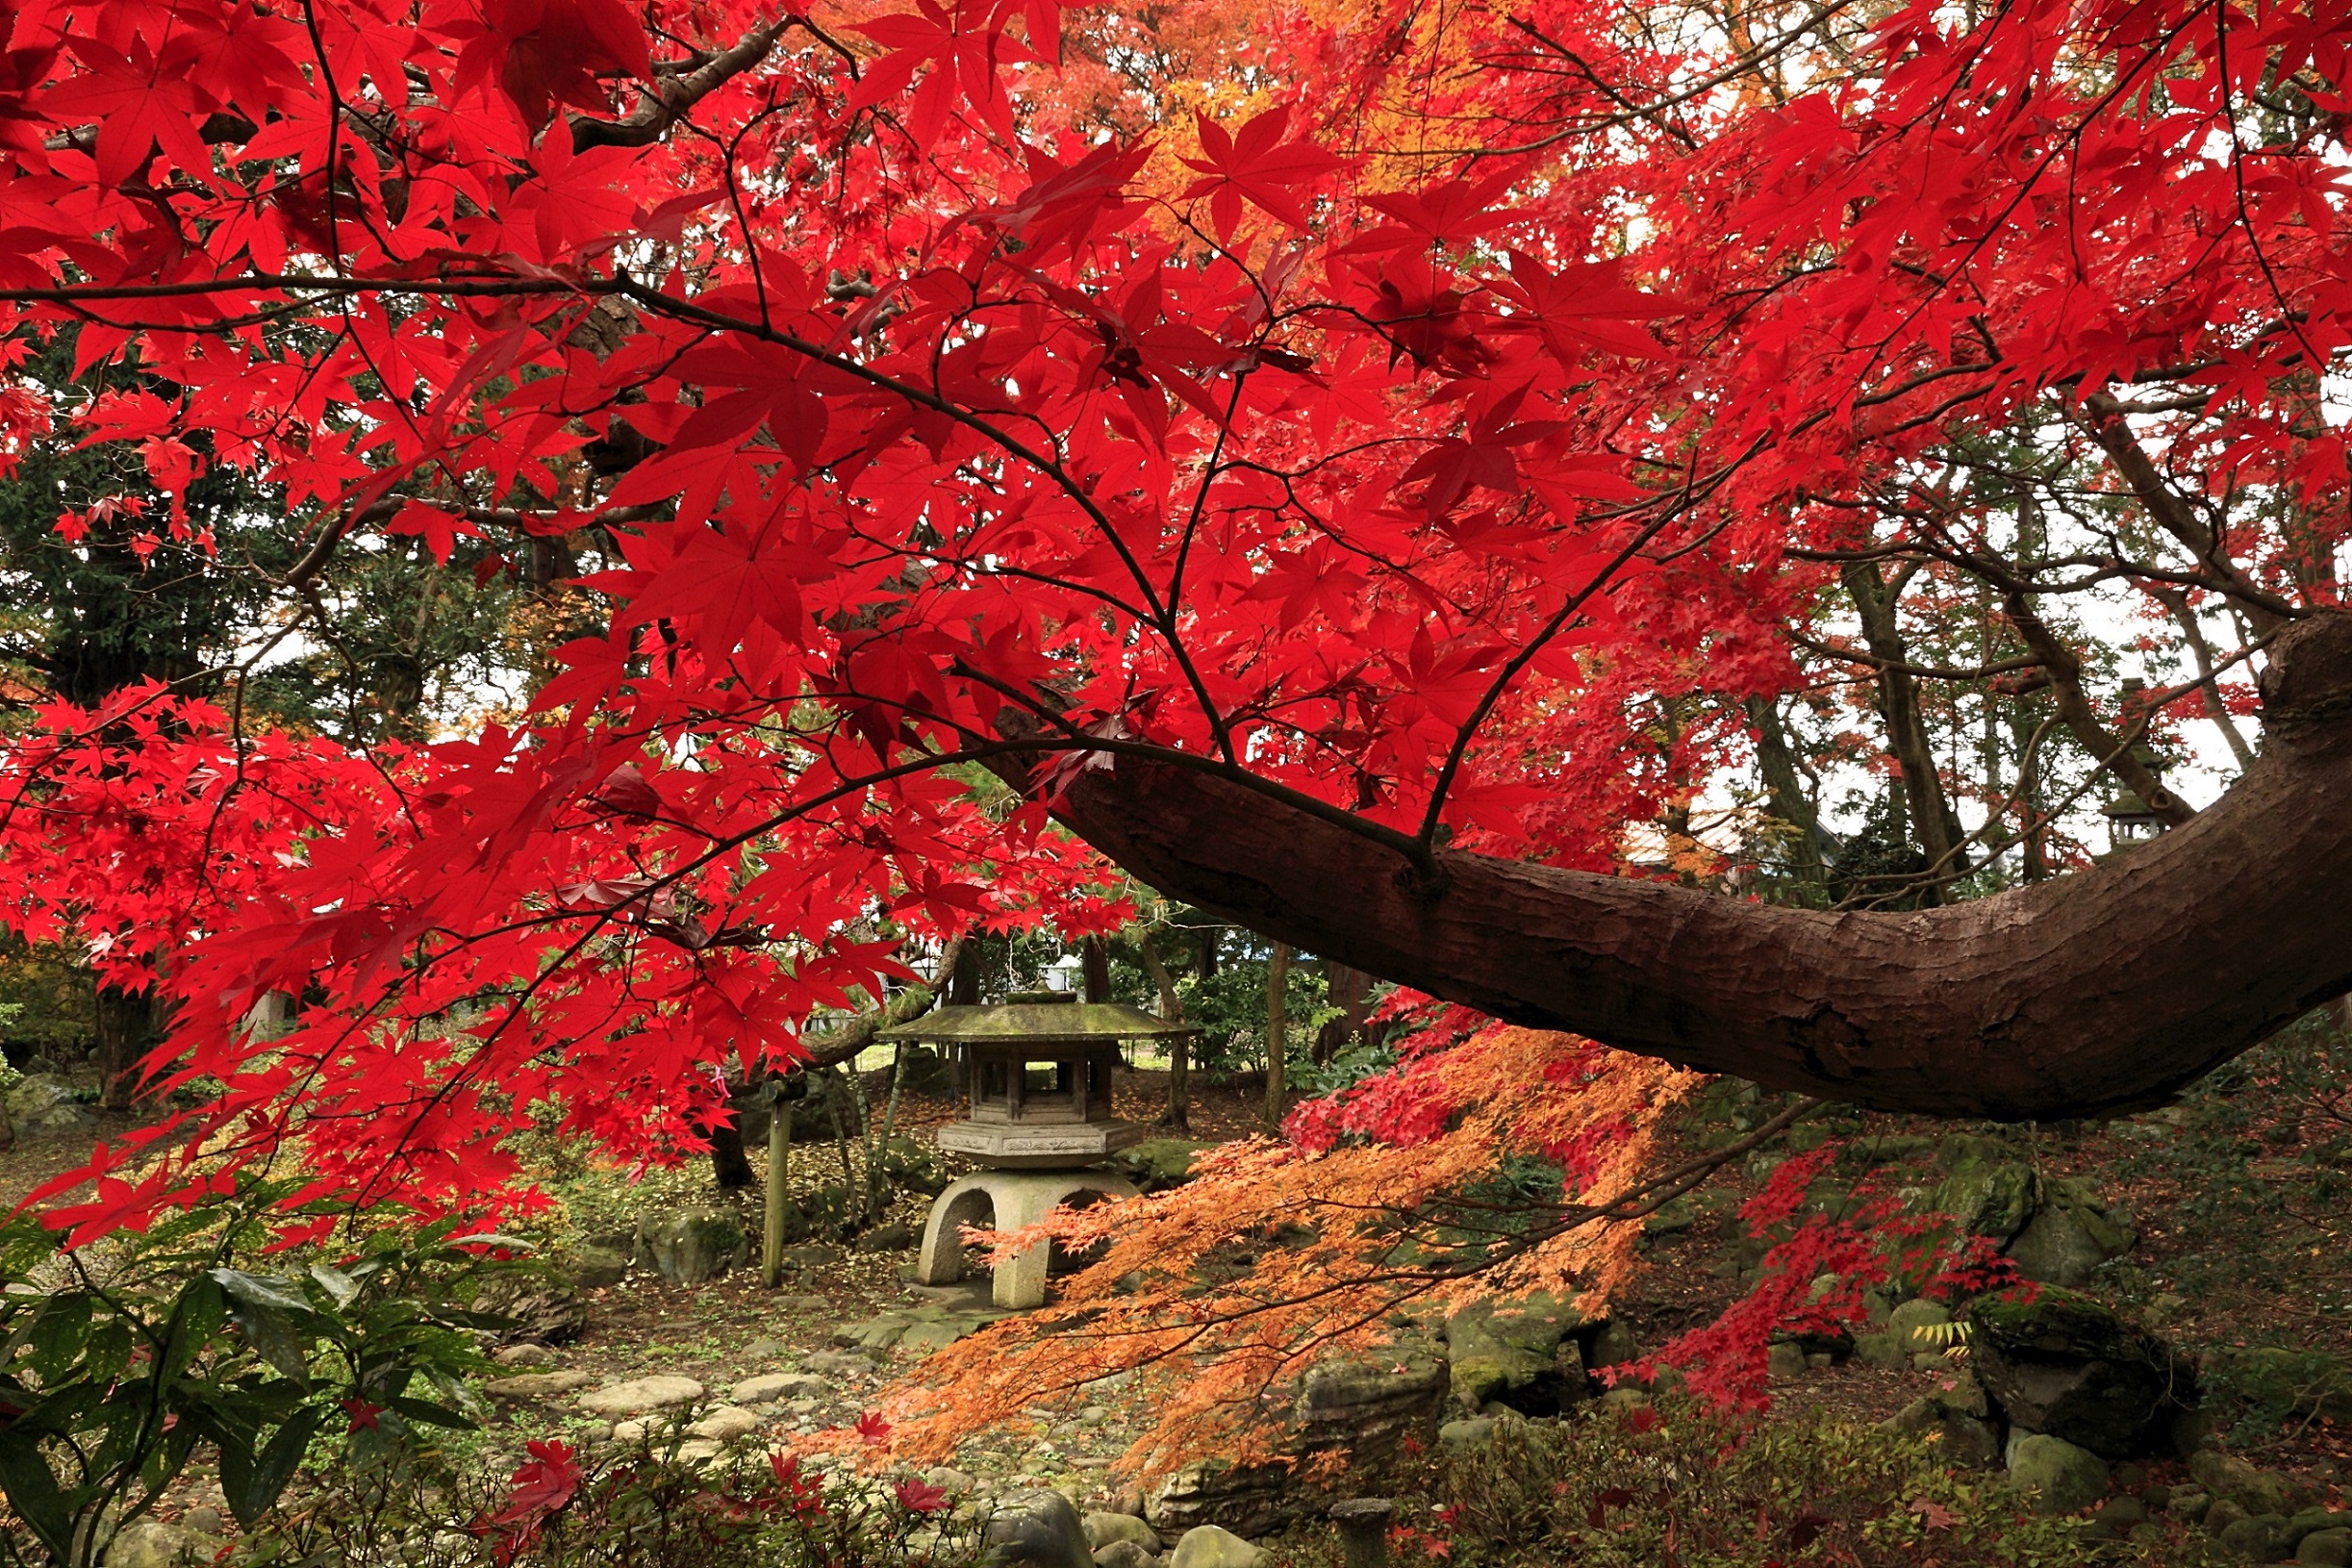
(2071, 1233)
(1102, 1528)
(1207, 1546)
(45, 1103)
(537, 1308)
(693, 1246)
(641, 1394)
(840, 1361)
(1612, 1344)
(726, 1423)
(1986, 1187)
(776, 1387)
(893, 1237)
(595, 1268)
(1157, 1164)
(536, 1386)
(1124, 1554)
(1784, 1361)
(155, 1543)
(1907, 1321)
(525, 1355)
(1040, 1529)
(1366, 1413)
(2062, 1364)
(1522, 1354)
(2326, 1548)
(2234, 1483)
(1957, 1420)
(2061, 1476)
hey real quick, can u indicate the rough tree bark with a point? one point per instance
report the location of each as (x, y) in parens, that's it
(2100, 991)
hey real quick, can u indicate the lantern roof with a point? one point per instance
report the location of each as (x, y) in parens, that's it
(1060, 1019)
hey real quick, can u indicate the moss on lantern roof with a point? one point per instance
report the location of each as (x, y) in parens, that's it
(1057, 1021)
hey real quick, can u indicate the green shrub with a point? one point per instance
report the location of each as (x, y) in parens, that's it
(1633, 1489)
(123, 1361)
(646, 1505)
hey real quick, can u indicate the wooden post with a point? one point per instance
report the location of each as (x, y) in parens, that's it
(779, 1172)
(1277, 1033)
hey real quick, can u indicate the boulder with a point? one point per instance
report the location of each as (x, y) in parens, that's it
(155, 1543)
(1784, 1361)
(1102, 1528)
(525, 1355)
(1986, 1187)
(1040, 1529)
(1124, 1554)
(1905, 1321)
(536, 1386)
(2071, 1233)
(2234, 1483)
(640, 1395)
(1611, 1344)
(2254, 1538)
(893, 1237)
(595, 1268)
(537, 1308)
(1522, 1354)
(692, 1247)
(2325, 1549)
(44, 1103)
(910, 1167)
(2061, 1364)
(1348, 1415)
(776, 1387)
(1157, 1164)
(1957, 1420)
(2060, 1476)
(1207, 1546)
(726, 1423)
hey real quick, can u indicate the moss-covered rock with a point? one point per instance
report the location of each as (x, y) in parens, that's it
(2071, 1232)
(2059, 1476)
(1986, 1187)
(1523, 1354)
(2058, 1362)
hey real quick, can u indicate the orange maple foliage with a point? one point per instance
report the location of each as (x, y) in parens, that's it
(1334, 1243)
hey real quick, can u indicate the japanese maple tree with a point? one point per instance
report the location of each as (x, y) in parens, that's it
(1346, 481)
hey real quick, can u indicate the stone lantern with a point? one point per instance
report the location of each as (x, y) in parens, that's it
(1037, 1074)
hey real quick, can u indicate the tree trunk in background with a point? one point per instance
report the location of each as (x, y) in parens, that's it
(1277, 1033)
(1346, 987)
(1175, 1118)
(1094, 963)
(1940, 832)
(730, 1164)
(126, 1031)
(1784, 787)
(2099, 992)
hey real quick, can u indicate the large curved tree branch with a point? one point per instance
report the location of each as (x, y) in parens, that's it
(2098, 992)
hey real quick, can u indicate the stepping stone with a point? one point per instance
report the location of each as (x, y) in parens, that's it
(640, 1395)
(726, 1422)
(840, 1361)
(776, 1387)
(535, 1385)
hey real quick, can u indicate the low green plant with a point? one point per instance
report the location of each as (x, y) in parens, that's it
(650, 1504)
(122, 1362)
(1671, 1483)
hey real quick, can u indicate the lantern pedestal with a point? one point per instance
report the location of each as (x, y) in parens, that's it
(1005, 1200)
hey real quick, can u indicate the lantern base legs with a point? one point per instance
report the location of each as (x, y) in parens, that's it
(1005, 1200)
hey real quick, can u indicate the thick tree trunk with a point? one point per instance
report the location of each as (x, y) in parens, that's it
(126, 1031)
(1938, 830)
(2100, 991)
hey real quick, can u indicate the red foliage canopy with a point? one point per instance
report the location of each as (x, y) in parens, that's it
(1377, 439)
